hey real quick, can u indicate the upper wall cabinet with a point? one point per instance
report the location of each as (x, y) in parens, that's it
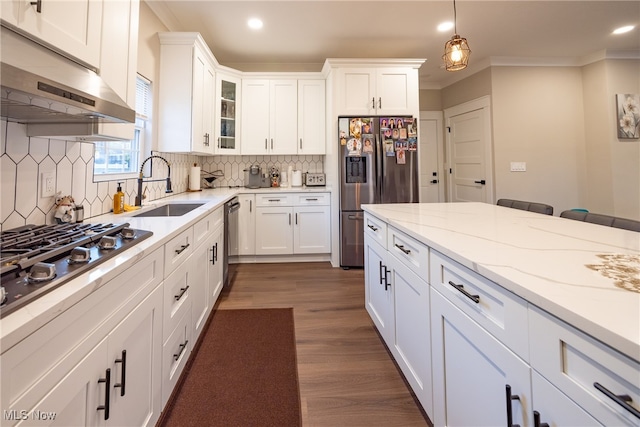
(375, 88)
(186, 95)
(227, 117)
(311, 117)
(73, 28)
(269, 116)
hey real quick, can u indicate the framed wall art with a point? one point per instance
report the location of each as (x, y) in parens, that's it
(628, 115)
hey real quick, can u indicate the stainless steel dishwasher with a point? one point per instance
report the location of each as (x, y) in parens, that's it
(230, 220)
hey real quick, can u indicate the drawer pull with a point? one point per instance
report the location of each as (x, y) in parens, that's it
(536, 420)
(510, 399)
(182, 249)
(182, 347)
(123, 373)
(380, 271)
(311, 200)
(372, 227)
(274, 200)
(474, 298)
(107, 393)
(621, 399)
(182, 292)
(401, 247)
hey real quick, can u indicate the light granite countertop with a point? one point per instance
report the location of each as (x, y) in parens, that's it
(585, 274)
(21, 323)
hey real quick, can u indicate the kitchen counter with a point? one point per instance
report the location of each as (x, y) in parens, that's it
(585, 274)
(19, 324)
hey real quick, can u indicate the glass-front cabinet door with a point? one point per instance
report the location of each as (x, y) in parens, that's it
(228, 114)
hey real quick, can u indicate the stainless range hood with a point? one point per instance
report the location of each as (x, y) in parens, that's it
(40, 86)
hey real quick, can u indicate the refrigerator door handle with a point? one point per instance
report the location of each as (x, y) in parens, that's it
(378, 156)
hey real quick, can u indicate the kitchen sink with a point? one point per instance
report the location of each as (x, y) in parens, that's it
(170, 209)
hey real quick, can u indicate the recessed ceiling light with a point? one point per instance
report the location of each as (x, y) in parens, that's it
(623, 30)
(445, 26)
(255, 23)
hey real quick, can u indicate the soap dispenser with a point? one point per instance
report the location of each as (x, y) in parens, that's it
(118, 200)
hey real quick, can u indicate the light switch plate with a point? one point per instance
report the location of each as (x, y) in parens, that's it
(48, 184)
(518, 166)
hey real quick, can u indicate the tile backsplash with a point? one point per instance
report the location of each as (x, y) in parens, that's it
(23, 159)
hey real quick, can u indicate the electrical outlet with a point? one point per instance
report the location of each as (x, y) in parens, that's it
(48, 184)
(518, 166)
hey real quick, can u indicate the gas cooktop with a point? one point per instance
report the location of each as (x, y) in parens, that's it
(35, 259)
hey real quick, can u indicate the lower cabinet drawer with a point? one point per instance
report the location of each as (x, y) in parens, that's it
(587, 371)
(409, 251)
(177, 297)
(175, 353)
(494, 308)
(376, 229)
(177, 250)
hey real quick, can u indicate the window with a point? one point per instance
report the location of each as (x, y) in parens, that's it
(121, 159)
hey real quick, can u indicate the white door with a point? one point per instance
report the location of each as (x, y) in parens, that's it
(469, 152)
(311, 233)
(431, 157)
(378, 291)
(284, 117)
(274, 231)
(255, 116)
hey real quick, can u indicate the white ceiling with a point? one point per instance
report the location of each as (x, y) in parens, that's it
(298, 35)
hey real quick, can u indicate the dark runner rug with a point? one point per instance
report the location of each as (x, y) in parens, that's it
(244, 373)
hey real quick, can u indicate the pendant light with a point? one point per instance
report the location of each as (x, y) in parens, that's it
(456, 50)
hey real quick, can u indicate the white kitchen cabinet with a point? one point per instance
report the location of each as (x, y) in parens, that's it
(377, 91)
(554, 408)
(242, 227)
(227, 113)
(73, 28)
(57, 368)
(295, 223)
(586, 371)
(269, 116)
(397, 299)
(471, 372)
(378, 291)
(274, 227)
(186, 95)
(311, 117)
(175, 353)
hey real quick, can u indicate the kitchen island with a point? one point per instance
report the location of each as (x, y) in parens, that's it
(521, 278)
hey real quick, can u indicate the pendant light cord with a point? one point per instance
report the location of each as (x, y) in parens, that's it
(455, 20)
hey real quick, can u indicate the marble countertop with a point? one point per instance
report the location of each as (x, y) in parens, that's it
(19, 324)
(585, 274)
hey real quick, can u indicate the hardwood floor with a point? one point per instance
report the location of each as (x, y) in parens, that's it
(347, 377)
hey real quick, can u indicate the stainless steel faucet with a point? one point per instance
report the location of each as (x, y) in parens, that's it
(140, 196)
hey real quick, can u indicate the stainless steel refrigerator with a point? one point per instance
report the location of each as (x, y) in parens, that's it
(378, 164)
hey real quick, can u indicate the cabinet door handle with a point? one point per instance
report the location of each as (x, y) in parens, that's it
(177, 355)
(206, 139)
(386, 279)
(182, 249)
(301, 143)
(474, 298)
(536, 420)
(289, 219)
(481, 182)
(373, 103)
(182, 292)
(380, 271)
(272, 143)
(372, 227)
(215, 253)
(510, 399)
(380, 103)
(107, 392)
(38, 5)
(123, 373)
(401, 247)
(219, 142)
(296, 218)
(265, 144)
(621, 399)
(250, 205)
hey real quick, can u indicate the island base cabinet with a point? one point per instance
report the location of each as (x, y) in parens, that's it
(411, 345)
(574, 363)
(555, 408)
(471, 372)
(378, 293)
